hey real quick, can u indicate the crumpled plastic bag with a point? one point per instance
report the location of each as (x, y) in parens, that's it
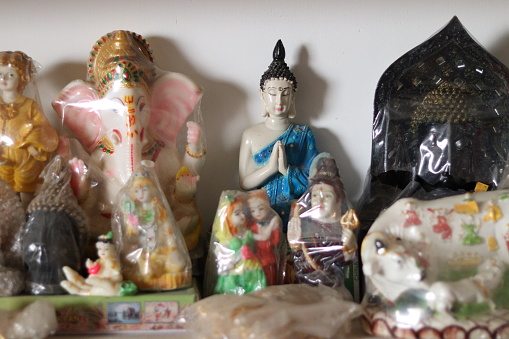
(276, 312)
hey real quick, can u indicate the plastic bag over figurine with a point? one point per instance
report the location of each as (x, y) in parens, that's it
(12, 221)
(440, 124)
(247, 249)
(56, 232)
(152, 250)
(276, 154)
(440, 270)
(26, 136)
(129, 110)
(321, 231)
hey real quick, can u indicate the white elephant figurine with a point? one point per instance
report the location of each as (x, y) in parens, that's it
(438, 268)
(129, 110)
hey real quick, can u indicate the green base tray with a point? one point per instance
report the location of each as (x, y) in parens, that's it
(143, 312)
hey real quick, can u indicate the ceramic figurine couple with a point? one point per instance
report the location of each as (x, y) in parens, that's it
(246, 252)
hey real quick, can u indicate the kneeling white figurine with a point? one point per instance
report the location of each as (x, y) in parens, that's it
(105, 275)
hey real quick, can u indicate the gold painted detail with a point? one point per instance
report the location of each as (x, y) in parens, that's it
(121, 57)
(465, 259)
(469, 207)
(447, 103)
(195, 155)
(493, 213)
(480, 187)
(106, 146)
(492, 244)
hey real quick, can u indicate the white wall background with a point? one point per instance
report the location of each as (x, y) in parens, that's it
(337, 49)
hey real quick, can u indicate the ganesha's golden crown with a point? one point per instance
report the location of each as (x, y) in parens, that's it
(121, 58)
(464, 259)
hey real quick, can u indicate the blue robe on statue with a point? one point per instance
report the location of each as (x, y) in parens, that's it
(300, 147)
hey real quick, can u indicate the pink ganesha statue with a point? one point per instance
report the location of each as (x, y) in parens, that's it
(129, 110)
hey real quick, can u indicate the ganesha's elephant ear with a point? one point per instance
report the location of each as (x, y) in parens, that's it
(174, 98)
(76, 105)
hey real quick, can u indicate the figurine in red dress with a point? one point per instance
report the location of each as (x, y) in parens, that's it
(266, 227)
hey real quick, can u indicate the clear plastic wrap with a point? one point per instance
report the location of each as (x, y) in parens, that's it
(12, 220)
(322, 228)
(150, 245)
(127, 111)
(440, 124)
(27, 138)
(438, 268)
(247, 248)
(56, 232)
(276, 312)
(440, 128)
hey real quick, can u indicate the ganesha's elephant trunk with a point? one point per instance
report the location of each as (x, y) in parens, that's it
(119, 164)
(130, 154)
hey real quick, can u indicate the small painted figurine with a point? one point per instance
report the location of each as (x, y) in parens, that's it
(12, 219)
(26, 136)
(104, 274)
(276, 154)
(127, 111)
(152, 249)
(266, 227)
(232, 266)
(321, 230)
(56, 231)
